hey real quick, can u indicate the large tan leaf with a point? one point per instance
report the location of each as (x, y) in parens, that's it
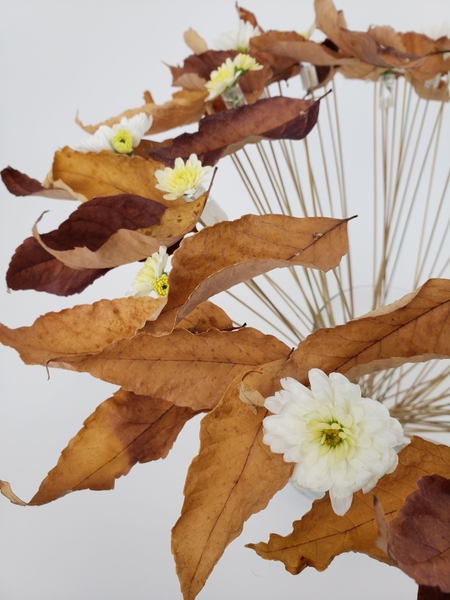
(86, 328)
(234, 476)
(127, 245)
(321, 535)
(106, 174)
(416, 328)
(124, 430)
(186, 106)
(206, 316)
(231, 252)
(187, 369)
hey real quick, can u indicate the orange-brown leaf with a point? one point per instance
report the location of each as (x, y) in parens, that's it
(184, 368)
(234, 476)
(321, 535)
(231, 252)
(124, 430)
(90, 175)
(186, 106)
(206, 316)
(86, 328)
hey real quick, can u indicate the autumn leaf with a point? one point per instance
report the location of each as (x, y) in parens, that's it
(91, 175)
(418, 539)
(234, 476)
(247, 16)
(124, 430)
(206, 316)
(416, 328)
(21, 184)
(431, 593)
(194, 41)
(225, 132)
(33, 268)
(187, 369)
(219, 257)
(86, 328)
(186, 106)
(321, 535)
(109, 232)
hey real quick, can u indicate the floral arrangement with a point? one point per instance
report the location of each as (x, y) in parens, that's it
(310, 412)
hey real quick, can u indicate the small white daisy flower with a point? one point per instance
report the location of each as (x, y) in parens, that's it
(152, 278)
(121, 137)
(340, 442)
(183, 180)
(238, 39)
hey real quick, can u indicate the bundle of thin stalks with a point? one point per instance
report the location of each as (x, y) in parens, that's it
(387, 163)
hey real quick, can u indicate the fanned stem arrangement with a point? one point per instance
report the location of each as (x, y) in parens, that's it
(406, 167)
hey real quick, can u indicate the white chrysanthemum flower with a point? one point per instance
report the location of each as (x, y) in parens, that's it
(340, 442)
(237, 39)
(183, 180)
(152, 278)
(121, 137)
(227, 75)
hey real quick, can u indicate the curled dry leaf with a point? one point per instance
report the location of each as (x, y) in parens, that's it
(416, 328)
(91, 175)
(186, 106)
(247, 16)
(206, 316)
(418, 539)
(231, 252)
(86, 328)
(367, 49)
(321, 535)
(186, 369)
(194, 41)
(124, 430)
(234, 476)
(227, 131)
(102, 235)
(431, 593)
(33, 268)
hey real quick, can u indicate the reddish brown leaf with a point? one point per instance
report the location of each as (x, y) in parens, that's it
(33, 268)
(418, 539)
(227, 131)
(247, 16)
(187, 369)
(431, 593)
(321, 535)
(108, 232)
(20, 184)
(231, 252)
(186, 106)
(234, 476)
(86, 328)
(124, 430)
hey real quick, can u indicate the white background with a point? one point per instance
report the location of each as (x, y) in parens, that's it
(98, 57)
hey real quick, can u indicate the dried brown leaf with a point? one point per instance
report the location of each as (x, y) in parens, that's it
(206, 316)
(187, 369)
(321, 535)
(111, 236)
(418, 539)
(431, 593)
(124, 430)
(234, 476)
(93, 175)
(86, 328)
(247, 16)
(231, 252)
(20, 184)
(186, 106)
(271, 118)
(194, 41)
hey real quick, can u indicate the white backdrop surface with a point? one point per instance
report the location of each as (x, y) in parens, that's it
(97, 57)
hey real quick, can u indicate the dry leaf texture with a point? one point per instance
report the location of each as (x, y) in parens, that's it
(219, 257)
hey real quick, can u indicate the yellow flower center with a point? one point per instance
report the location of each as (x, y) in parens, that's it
(334, 435)
(122, 142)
(161, 285)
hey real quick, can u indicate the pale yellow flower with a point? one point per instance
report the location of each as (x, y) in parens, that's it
(152, 278)
(183, 180)
(227, 75)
